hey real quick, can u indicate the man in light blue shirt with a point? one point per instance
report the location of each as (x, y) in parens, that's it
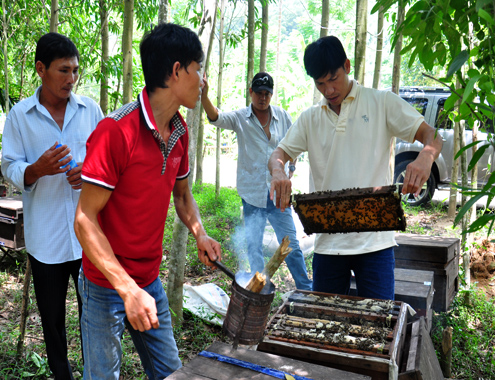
(32, 162)
(259, 129)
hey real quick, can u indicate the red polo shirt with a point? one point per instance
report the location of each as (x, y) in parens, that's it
(126, 155)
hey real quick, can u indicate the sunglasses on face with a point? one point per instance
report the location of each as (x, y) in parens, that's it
(261, 81)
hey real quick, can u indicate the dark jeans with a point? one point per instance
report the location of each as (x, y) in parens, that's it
(50, 285)
(374, 273)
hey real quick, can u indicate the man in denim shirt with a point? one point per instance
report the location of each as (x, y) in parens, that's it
(50, 192)
(259, 129)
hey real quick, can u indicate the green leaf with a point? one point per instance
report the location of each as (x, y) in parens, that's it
(450, 102)
(476, 156)
(486, 16)
(468, 146)
(469, 87)
(458, 62)
(467, 207)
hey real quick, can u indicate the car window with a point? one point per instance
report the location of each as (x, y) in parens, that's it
(418, 103)
(441, 119)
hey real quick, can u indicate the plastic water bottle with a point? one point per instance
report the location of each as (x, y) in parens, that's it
(72, 163)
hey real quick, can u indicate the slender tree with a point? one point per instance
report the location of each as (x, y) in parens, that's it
(178, 250)
(250, 51)
(264, 34)
(54, 11)
(163, 11)
(379, 50)
(201, 127)
(360, 40)
(127, 35)
(325, 19)
(221, 53)
(398, 48)
(277, 60)
(104, 55)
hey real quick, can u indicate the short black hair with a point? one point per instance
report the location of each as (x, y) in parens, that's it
(325, 55)
(52, 46)
(164, 45)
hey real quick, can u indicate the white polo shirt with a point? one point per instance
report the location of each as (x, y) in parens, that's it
(351, 150)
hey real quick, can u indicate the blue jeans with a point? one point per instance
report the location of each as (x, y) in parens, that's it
(103, 322)
(374, 273)
(283, 224)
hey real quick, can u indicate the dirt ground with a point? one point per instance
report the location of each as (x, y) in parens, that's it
(482, 260)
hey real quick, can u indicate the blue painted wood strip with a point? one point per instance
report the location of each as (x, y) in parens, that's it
(255, 367)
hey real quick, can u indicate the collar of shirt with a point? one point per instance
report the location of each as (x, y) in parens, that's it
(250, 113)
(33, 102)
(178, 126)
(349, 98)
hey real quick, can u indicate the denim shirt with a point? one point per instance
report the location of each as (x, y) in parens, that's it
(254, 149)
(49, 204)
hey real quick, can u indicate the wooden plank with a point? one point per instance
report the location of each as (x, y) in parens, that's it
(433, 249)
(377, 368)
(422, 362)
(201, 368)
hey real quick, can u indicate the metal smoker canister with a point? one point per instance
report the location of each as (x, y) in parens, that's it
(247, 314)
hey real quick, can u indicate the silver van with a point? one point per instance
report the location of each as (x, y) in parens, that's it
(429, 101)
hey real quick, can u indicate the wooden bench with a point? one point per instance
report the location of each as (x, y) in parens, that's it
(203, 368)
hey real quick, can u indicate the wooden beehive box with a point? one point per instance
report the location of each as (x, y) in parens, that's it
(11, 223)
(432, 253)
(294, 332)
(419, 360)
(414, 287)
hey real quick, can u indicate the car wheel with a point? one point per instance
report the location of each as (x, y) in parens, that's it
(426, 193)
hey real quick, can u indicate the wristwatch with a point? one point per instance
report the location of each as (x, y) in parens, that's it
(292, 167)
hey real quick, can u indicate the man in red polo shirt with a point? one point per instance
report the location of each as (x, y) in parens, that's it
(135, 159)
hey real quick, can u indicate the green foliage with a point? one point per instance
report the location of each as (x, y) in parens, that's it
(472, 318)
(220, 216)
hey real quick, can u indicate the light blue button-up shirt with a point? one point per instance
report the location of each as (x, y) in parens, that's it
(49, 204)
(254, 149)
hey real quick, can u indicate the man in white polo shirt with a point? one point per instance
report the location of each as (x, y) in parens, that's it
(349, 137)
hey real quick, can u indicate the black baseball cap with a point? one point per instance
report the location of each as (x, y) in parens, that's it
(262, 81)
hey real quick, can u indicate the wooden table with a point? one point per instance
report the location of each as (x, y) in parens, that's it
(202, 368)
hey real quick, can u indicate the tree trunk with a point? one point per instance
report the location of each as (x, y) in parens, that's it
(325, 19)
(396, 73)
(163, 12)
(24, 308)
(277, 61)
(104, 56)
(219, 97)
(201, 127)
(250, 50)
(127, 50)
(264, 34)
(397, 49)
(54, 16)
(454, 177)
(379, 48)
(177, 259)
(360, 40)
(5, 49)
(464, 223)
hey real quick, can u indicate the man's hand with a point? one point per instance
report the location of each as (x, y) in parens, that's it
(208, 250)
(140, 309)
(417, 173)
(204, 91)
(281, 188)
(49, 163)
(74, 177)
